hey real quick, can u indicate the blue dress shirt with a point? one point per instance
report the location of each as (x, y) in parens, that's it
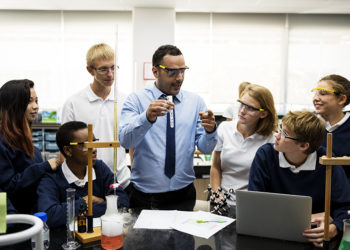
(149, 140)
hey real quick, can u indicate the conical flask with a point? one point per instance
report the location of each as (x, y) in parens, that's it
(345, 241)
(111, 225)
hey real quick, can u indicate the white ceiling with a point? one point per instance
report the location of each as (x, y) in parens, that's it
(228, 6)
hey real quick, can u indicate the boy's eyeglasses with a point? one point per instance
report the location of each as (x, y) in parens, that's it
(284, 134)
(171, 72)
(324, 91)
(105, 70)
(249, 108)
(81, 145)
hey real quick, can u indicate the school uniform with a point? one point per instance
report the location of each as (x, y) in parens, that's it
(270, 172)
(20, 176)
(340, 140)
(53, 198)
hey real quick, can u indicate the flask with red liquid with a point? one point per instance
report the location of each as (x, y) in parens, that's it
(111, 225)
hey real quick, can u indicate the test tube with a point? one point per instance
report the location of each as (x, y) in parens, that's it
(71, 243)
(171, 112)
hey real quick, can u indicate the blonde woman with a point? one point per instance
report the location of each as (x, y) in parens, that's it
(238, 140)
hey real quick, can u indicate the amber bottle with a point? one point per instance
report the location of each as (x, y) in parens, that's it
(82, 219)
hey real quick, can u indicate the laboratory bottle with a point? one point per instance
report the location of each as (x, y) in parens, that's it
(345, 241)
(45, 231)
(82, 219)
(111, 225)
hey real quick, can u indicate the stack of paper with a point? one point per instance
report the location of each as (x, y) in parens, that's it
(201, 224)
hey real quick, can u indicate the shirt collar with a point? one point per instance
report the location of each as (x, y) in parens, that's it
(157, 93)
(93, 97)
(338, 124)
(71, 178)
(308, 165)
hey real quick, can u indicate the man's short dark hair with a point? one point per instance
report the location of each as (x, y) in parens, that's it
(163, 51)
(65, 134)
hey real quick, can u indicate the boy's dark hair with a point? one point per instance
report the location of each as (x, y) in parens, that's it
(65, 134)
(163, 51)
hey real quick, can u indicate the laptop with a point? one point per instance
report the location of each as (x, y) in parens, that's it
(273, 215)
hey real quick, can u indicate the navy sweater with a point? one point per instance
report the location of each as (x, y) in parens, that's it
(20, 176)
(266, 175)
(341, 143)
(53, 199)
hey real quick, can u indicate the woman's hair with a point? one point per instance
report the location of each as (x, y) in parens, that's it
(242, 87)
(266, 126)
(307, 127)
(99, 51)
(14, 126)
(340, 84)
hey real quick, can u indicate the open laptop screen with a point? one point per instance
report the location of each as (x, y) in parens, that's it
(273, 215)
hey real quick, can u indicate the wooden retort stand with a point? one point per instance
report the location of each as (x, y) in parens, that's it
(91, 235)
(329, 161)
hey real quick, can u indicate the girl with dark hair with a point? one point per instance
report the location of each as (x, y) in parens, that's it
(21, 164)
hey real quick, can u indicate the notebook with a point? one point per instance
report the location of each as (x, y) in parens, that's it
(272, 215)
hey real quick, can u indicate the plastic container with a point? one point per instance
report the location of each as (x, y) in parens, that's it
(345, 241)
(51, 146)
(45, 231)
(37, 138)
(50, 136)
(38, 144)
(37, 132)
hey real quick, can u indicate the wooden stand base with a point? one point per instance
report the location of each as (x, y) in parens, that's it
(89, 237)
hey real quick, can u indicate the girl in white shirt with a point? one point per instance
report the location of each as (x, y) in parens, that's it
(238, 140)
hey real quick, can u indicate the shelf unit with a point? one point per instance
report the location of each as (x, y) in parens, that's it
(44, 138)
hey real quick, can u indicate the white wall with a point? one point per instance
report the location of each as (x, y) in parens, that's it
(49, 47)
(152, 27)
(286, 53)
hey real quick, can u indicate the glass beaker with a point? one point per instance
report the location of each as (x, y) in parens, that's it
(345, 241)
(111, 225)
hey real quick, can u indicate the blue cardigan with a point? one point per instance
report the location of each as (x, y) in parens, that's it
(52, 194)
(266, 175)
(341, 143)
(20, 176)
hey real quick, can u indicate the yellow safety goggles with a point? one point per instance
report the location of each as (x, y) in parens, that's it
(324, 91)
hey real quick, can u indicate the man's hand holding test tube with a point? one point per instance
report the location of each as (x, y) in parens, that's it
(161, 107)
(158, 108)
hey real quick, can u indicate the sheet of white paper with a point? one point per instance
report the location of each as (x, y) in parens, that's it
(187, 222)
(155, 219)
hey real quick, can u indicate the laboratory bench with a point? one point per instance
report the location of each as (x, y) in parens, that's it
(147, 239)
